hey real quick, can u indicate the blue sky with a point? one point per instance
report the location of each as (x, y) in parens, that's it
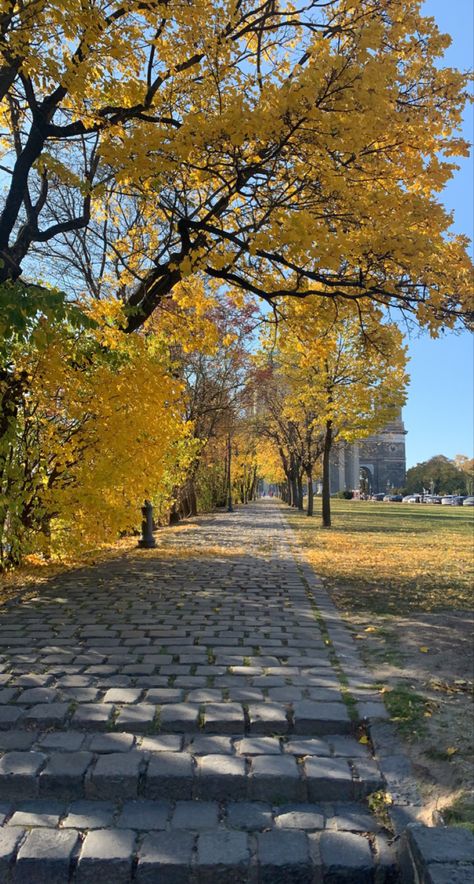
(439, 414)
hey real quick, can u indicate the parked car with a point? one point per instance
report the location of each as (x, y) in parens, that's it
(378, 496)
(393, 498)
(452, 500)
(431, 498)
(469, 501)
(412, 498)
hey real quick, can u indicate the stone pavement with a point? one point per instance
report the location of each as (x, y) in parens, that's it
(182, 715)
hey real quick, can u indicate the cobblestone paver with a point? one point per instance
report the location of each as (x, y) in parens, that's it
(181, 718)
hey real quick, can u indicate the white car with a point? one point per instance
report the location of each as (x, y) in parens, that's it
(468, 502)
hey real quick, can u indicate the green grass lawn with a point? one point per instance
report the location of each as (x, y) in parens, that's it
(392, 558)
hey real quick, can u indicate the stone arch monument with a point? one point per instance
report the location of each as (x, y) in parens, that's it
(380, 460)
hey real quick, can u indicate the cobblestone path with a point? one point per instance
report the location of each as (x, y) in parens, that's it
(177, 716)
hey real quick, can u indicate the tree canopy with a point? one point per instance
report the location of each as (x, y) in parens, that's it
(326, 382)
(286, 150)
(442, 475)
(166, 167)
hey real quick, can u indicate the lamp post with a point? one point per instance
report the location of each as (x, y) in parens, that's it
(230, 508)
(147, 541)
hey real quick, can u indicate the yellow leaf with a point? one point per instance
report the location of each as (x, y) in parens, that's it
(451, 750)
(423, 649)
(364, 740)
(371, 629)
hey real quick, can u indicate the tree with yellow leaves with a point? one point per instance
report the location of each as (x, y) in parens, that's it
(83, 446)
(295, 438)
(337, 382)
(286, 151)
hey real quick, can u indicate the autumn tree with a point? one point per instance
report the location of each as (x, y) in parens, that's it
(466, 465)
(82, 447)
(289, 428)
(440, 475)
(286, 151)
(336, 382)
(214, 373)
(269, 465)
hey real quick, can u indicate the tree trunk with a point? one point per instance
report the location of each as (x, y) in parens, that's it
(293, 482)
(252, 495)
(300, 490)
(46, 532)
(174, 516)
(230, 508)
(294, 491)
(310, 507)
(192, 498)
(326, 485)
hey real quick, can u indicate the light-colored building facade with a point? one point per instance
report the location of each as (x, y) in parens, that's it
(373, 465)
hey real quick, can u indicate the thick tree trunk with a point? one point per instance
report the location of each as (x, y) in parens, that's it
(300, 490)
(186, 497)
(174, 516)
(192, 497)
(294, 491)
(46, 532)
(252, 495)
(326, 485)
(293, 482)
(310, 506)
(230, 508)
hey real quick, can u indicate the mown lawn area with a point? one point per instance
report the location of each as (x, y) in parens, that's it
(393, 557)
(402, 576)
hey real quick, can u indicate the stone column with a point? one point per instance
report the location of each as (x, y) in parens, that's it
(355, 467)
(342, 468)
(352, 467)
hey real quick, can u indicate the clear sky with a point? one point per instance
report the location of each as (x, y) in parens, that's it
(439, 414)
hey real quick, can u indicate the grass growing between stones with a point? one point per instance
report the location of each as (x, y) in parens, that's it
(461, 812)
(391, 557)
(408, 710)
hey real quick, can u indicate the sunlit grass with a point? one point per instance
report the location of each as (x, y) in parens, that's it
(393, 558)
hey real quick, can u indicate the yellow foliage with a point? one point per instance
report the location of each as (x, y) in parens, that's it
(323, 164)
(99, 430)
(269, 461)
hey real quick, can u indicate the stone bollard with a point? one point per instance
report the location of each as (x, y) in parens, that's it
(147, 541)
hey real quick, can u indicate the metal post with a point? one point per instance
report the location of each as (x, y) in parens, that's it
(230, 508)
(147, 541)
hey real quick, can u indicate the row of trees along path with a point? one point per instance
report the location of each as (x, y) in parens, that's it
(164, 163)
